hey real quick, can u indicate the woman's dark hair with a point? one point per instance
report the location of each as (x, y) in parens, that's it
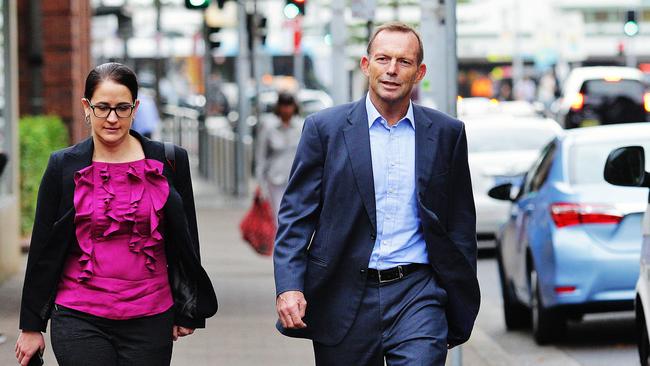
(285, 98)
(116, 72)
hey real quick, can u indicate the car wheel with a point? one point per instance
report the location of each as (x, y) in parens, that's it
(548, 324)
(517, 316)
(643, 340)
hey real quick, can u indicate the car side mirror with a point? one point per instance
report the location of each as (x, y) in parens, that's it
(625, 166)
(501, 192)
(3, 162)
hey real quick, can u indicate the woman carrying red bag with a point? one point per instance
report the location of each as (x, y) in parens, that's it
(277, 142)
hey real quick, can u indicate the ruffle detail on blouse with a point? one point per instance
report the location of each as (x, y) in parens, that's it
(158, 193)
(150, 181)
(158, 190)
(84, 207)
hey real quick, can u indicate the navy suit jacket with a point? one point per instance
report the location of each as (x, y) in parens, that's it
(327, 224)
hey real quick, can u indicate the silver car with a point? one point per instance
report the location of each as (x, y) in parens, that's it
(501, 149)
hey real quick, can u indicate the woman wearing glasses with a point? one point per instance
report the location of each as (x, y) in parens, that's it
(114, 256)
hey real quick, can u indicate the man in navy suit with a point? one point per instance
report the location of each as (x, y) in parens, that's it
(375, 256)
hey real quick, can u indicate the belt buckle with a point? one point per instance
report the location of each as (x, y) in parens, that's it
(400, 275)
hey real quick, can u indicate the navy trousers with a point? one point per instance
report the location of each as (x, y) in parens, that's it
(402, 322)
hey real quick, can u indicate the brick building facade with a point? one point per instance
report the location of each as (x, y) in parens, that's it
(54, 58)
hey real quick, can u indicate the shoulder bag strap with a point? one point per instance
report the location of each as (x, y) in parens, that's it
(170, 155)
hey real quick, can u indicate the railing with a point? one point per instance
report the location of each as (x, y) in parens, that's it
(180, 125)
(211, 145)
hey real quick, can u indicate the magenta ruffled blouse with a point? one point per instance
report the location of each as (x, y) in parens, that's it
(119, 270)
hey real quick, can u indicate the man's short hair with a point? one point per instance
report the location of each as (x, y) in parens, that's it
(397, 27)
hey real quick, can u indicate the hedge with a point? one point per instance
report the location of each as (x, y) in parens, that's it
(39, 136)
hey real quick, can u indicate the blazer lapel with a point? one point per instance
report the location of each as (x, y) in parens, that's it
(79, 157)
(425, 147)
(357, 141)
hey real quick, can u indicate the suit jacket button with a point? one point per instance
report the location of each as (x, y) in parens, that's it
(373, 236)
(362, 271)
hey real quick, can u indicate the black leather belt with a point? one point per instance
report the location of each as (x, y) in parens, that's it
(393, 274)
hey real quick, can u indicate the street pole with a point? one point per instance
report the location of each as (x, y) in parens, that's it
(257, 67)
(438, 31)
(298, 61)
(630, 54)
(158, 64)
(340, 81)
(517, 60)
(243, 76)
(440, 84)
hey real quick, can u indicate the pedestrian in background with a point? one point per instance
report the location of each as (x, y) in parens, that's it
(147, 118)
(114, 255)
(375, 256)
(277, 142)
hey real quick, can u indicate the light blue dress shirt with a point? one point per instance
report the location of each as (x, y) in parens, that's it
(399, 231)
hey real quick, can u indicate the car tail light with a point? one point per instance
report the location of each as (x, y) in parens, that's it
(578, 101)
(564, 290)
(569, 214)
(646, 101)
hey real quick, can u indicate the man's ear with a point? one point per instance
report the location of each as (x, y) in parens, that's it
(422, 70)
(364, 64)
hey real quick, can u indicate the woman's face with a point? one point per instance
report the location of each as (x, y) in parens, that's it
(113, 103)
(286, 111)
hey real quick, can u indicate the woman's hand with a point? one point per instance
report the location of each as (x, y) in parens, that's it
(179, 331)
(27, 345)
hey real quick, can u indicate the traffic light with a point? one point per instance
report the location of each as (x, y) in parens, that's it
(262, 29)
(256, 26)
(293, 8)
(631, 26)
(197, 4)
(213, 37)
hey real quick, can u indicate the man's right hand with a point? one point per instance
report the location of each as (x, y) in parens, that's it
(27, 345)
(291, 306)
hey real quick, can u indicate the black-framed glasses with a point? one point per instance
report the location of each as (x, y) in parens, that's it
(122, 110)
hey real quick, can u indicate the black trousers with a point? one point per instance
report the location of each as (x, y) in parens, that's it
(81, 339)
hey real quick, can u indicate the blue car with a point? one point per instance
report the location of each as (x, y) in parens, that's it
(572, 242)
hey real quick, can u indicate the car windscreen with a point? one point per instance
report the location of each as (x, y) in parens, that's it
(587, 161)
(500, 138)
(599, 88)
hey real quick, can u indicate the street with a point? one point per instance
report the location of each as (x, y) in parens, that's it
(243, 333)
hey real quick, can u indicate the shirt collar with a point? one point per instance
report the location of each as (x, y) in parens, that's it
(373, 113)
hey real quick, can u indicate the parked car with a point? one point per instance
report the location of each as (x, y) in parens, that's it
(626, 166)
(501, 149)
(571, 244)
(602, 95)
(521, 108)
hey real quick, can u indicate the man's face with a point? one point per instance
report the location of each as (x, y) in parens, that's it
(391, 67)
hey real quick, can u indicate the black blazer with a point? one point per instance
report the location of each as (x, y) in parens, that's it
(327, 221)
(54, 233)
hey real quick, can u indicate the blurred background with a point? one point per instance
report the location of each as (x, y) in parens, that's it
(530, 79)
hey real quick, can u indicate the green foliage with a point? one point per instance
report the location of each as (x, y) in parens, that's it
(39, 137)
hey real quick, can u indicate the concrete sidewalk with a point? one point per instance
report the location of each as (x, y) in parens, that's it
(242, 332)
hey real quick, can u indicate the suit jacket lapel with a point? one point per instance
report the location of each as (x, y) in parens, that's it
(425, 147)
(357, 141)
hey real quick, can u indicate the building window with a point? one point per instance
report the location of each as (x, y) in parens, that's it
(601, 16)
(645, 15)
